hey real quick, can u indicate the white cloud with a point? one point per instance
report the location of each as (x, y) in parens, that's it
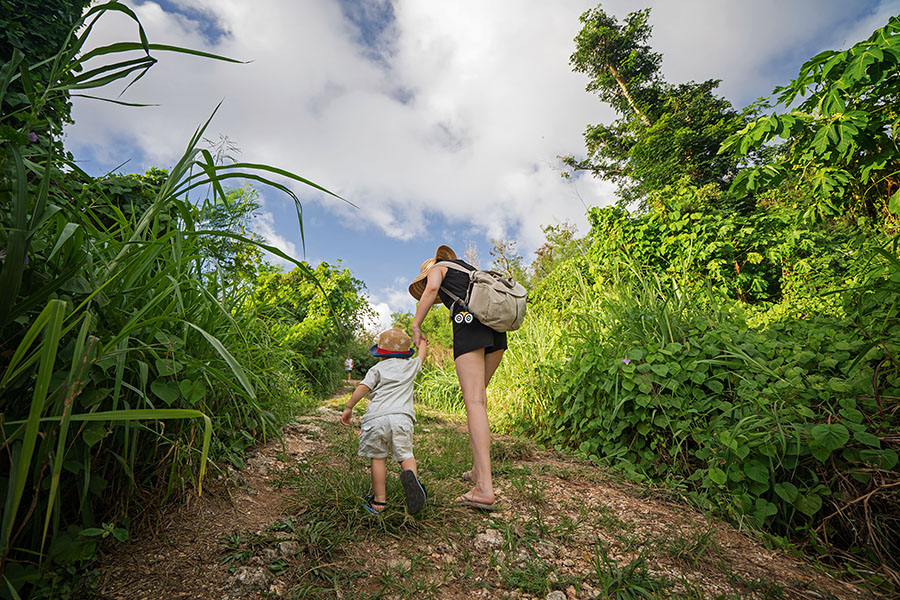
(381, 320)
(459, 122)
(463, 124)
(263, 224)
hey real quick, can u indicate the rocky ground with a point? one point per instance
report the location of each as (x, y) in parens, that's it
(290, 525)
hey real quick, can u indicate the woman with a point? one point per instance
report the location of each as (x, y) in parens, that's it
(477, 351)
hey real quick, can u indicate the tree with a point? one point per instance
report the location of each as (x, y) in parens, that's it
(842, 140)
(665, 132)
(234, 259)
(622, 68)
(318, 319)
(561, 245)
(508, 261)
(37, 29)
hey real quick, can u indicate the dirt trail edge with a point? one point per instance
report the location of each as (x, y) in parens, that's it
(290, 525)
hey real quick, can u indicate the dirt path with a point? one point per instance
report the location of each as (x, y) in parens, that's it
(290, 525)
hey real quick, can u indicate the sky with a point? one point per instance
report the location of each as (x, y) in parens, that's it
(441, 122)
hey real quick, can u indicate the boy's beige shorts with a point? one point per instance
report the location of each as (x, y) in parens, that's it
(388, 433)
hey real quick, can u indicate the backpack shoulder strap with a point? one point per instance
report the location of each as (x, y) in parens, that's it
(453, 265)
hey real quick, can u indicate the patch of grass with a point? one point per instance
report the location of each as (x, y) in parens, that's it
(238, 549)
(689, 547)
(444, 453)
(530, 576)
(527, 487)
(623, 582)
(505, 449)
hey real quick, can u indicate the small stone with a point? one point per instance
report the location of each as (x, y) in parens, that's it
(288, 548)
(249, 579)
(556, 595)
(570, 592)
(489, 540)
(269, 554)
(399, 563)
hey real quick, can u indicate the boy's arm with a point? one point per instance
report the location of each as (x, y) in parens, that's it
(358, 394)
(423, 350)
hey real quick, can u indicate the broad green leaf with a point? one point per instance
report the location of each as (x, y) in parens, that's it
(756, 471)
(167, 391)
(864, 437)
(787, 491)
(809, 504)
(717, 476)
(93, 433)
(894, 202)
(831, 436)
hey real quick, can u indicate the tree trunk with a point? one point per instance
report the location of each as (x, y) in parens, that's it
(628, 97)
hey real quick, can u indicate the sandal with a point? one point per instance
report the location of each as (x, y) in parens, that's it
(415, 491)
(371, 503)
(466, 501)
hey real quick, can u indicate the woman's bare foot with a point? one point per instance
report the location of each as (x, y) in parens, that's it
(472, 499)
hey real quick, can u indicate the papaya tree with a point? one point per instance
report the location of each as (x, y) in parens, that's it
(841, 141)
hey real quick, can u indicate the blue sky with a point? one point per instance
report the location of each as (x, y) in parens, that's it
(441, 121)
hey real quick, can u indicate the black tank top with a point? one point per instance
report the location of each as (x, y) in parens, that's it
(457, 282)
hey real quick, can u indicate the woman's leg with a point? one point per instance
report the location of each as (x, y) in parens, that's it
(470, 369)
(491, 362)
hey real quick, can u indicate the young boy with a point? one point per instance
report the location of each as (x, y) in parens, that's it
(389, 419)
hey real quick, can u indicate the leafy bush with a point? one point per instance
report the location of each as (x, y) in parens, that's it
(122, 346)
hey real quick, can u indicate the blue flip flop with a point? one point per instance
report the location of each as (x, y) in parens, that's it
(371, 503)
(415, 491)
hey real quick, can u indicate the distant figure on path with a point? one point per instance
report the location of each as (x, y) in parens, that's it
(389, 419)
(348, 365)
(477, 350)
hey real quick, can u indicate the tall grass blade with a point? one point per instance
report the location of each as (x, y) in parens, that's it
(49, 345)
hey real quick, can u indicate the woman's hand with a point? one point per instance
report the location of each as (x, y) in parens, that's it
(417, 336)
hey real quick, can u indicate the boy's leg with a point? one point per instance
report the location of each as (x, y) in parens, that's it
(409, 465)
(379, 477)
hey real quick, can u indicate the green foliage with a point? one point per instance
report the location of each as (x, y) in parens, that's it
(37, 29)
(841, 142)
(437, 329)
(438, 387)
(746, 355)
(762, 257)
(314, 319)
(665, 132)
(120, 349)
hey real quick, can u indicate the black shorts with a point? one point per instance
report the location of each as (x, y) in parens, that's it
(469, 334)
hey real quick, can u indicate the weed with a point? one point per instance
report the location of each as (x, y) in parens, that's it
(690, 546)
(530, 576)
(623, 582)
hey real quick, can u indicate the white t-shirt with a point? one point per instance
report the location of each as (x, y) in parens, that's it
(348, 363)
(391, 382)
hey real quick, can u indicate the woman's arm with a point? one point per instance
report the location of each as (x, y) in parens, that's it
(432, 285)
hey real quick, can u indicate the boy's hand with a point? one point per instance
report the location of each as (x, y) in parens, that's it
(345, 417)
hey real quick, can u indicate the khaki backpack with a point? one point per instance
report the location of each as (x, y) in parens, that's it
(495, 300)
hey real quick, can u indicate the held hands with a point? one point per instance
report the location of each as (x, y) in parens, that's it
(417, 337)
